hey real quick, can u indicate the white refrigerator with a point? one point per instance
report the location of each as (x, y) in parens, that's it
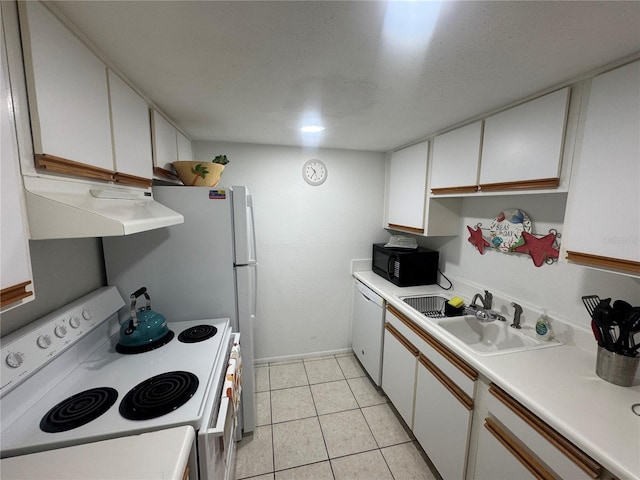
(203, 268)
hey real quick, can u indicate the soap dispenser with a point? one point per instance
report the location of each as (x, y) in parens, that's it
(543, 328)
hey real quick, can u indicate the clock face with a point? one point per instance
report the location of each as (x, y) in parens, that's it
(314, 172)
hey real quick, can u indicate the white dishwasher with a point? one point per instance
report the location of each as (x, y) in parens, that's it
(368, 329)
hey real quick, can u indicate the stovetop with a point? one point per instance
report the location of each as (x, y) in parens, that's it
(105, 367)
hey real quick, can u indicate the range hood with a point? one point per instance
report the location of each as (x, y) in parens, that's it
(58, 208)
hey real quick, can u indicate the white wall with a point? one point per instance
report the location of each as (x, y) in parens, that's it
(558, 288)
(306, 238)
(63, 270)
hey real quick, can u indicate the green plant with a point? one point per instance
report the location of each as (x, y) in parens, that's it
(221, 159)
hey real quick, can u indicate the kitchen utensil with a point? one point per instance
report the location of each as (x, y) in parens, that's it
(625, 323)
(603, 319)
(145, 327)
(591, 302)
(596, 333)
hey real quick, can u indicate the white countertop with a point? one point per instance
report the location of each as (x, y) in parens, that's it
(559, 384)
(163, 454)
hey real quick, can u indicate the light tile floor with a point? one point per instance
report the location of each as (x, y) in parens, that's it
(323, 419)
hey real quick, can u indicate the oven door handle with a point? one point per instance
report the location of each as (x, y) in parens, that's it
(218, 430)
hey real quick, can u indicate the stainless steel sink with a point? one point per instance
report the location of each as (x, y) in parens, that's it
(492, 338)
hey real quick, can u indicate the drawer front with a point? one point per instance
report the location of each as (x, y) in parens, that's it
(560, 455)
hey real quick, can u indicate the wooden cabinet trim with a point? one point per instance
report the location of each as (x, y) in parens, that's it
(54, 164)
(405, 229)
(454, 190)
(126, 179)
(14, 293)
(454, 389)
(163, 172)
(406, 343)
(521, 185)
(577, 456)
(441, 349)
(603, 262)
(517, 451)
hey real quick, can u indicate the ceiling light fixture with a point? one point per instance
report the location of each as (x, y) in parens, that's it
(312, 128)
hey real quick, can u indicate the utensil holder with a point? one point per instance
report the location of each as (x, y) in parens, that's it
(615, 368)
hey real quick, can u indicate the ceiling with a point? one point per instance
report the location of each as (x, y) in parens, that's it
(250, 71)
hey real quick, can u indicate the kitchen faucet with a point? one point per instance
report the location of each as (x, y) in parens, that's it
(487, 301)
(516, 315)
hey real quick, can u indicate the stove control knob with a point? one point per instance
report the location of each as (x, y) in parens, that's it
(60, 331)
(87, 314)
(15, 359)
(44, 341)
(74, 322)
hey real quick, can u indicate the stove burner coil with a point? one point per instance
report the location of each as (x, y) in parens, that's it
(145, 347)
(78, 410)
(199, 333)
(158, 395)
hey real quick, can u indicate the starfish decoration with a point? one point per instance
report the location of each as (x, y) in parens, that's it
(539, 249)
(477, 240)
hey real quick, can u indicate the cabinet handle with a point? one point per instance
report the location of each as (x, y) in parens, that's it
(450, 190)
(14, 293)
(441, 349)
(521, 185)
(127, 179)
(163, 172)
(577, 456)
(54, 164)
(455, 390)
(517, 451)
(405, 229)
(406, 343)
(606, 262)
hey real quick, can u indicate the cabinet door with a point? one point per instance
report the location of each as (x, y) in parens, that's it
(368, 330)
(456, 160)
(16, 279)
(68, 96)
(185, 151)
(442, 420)
(399, 372)
(604, 201)
(522, 146)
(407, 188)
(131, 131)
(165, 142)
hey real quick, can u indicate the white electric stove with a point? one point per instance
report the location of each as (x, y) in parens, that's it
(64, 383)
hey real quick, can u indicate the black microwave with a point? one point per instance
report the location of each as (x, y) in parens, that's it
(405, 267)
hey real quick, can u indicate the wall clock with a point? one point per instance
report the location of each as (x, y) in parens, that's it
(314, 172)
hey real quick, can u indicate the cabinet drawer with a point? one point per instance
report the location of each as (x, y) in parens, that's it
(449, 363)
(554, 450)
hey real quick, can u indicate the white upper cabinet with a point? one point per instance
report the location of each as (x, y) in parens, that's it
(131, 130)
(185, 151)
(68, 96)
(16, 278)
(165, 147)
(522, 146)
(407, 188)
(456, 160)
(602, 221)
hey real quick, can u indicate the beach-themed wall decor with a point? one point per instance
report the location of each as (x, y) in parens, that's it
(511, 231)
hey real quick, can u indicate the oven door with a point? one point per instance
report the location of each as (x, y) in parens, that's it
(216, 444)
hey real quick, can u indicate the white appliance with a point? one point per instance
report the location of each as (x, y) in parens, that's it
(368, 329)
(205, 267)
(64, 383)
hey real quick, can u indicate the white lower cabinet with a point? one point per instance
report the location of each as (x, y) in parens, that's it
(399, 372)
(442, 420)
(515, 443)
(433, 391)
